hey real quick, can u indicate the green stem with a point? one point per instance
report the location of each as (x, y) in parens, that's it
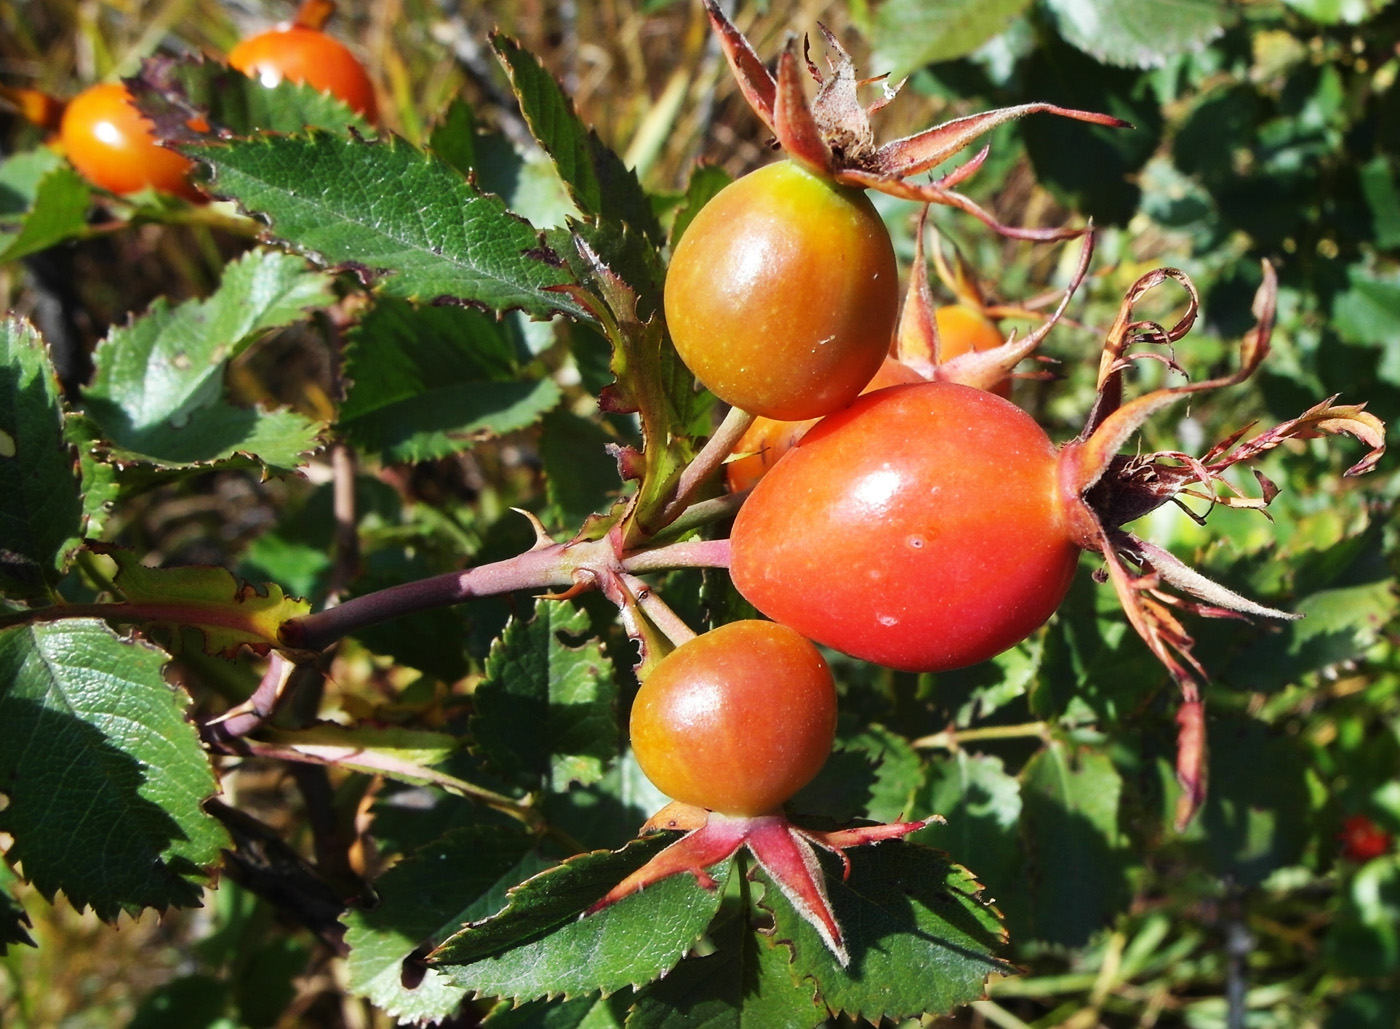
(950, 740)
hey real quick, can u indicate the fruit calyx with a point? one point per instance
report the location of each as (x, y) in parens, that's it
(784, 851)
(831, 133)
(1103, 489)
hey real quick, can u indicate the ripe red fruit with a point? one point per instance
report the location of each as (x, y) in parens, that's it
(768, 439)
(307, 55)
(1362, 839)
(737, 719)
(922, 528)
(109, 141)
(783, 293)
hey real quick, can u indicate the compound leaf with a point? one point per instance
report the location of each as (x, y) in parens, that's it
(105, 778)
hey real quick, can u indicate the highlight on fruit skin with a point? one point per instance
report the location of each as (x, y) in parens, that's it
(114, 145)
(737, 719)
(783, 293)
(304, 52)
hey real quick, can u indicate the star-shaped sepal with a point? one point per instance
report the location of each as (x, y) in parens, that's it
(831, 135)
(784, 851)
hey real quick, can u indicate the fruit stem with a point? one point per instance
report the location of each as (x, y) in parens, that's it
(690, 554)
(713, 454)
(534, 569)
(948, 739)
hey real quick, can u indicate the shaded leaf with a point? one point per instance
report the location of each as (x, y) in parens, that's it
(423, 899)
(908, 34)
(1137, 35)
(40, 510)
(921, 940)
(1253, 821)
(539, 947)
(104, 776)
(1089, 165)
(1069, 820)
(981, 803)
(427, 382)
(580, 476)
(592, 1012)
(14, 923)
(401, 217)
(546, 712)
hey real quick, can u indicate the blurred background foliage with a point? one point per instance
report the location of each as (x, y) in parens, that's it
(1264, 130)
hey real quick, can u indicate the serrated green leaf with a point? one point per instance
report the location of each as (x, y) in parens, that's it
(982, 807)
(157, 392)
(597, 180)
(580, 1013)
(40, 510)
(14, 923)
(1136, 35)
(423, 899)
(546, 714)
(58, 212)
(921, 941)
(427, 382)
(230, 613)
(405, 218)
(99, 479)
(539, 947)
(104, 775)
(1069, 819)
(908, 34)
(747, 983)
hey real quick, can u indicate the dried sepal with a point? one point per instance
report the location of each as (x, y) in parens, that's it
(917, 342)
(832, 135)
